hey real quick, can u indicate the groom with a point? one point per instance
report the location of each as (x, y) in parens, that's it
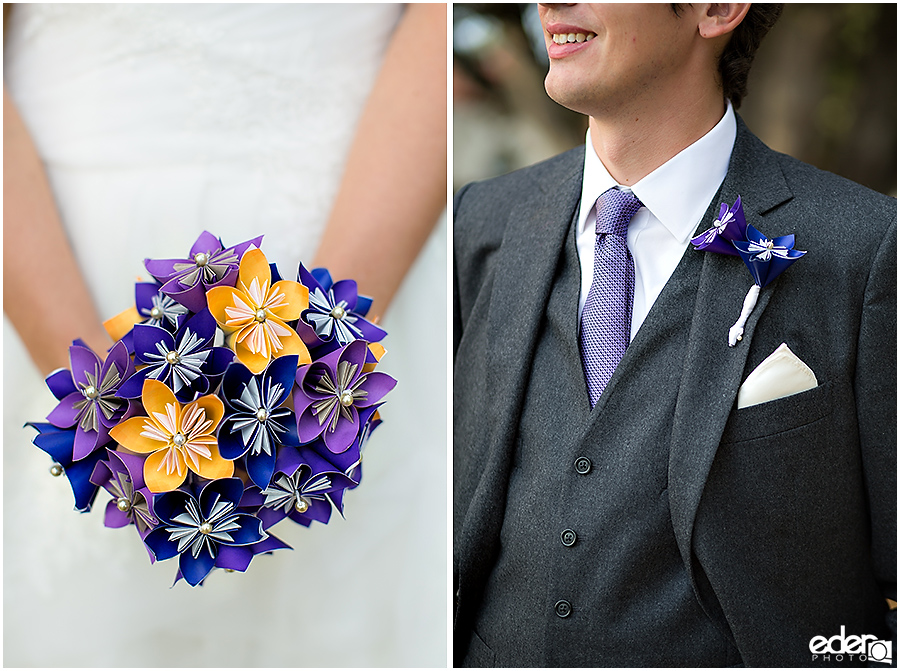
(617, 500)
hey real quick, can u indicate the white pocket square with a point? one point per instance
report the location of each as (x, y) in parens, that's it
(781, 374)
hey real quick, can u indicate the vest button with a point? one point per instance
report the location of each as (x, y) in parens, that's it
(583, 465)
(568, 538)
(563, 608)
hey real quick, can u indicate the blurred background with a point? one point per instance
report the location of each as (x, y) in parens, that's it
(823, 88)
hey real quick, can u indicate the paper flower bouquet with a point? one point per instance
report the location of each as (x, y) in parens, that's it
(231, 400)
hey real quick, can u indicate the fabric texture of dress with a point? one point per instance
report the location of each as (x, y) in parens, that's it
(156, 122)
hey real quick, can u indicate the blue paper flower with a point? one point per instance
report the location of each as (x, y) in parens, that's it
(187, 362)
(336, 311)
(195, 529)
(157, 308)
(766, 258)
(255, 424)
(58, 443)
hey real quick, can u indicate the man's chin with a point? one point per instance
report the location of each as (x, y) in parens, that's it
(567, 93)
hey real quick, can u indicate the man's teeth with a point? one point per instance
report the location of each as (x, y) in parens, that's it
(563, 38)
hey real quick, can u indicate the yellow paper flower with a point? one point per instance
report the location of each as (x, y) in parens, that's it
(254, 315)
(177, 438)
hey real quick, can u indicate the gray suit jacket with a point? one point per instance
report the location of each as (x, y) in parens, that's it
(785, 512)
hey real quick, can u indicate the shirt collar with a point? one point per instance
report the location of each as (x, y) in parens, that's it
(679, 191)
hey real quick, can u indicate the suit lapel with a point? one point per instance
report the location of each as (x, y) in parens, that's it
(534, 236)
(712, 370)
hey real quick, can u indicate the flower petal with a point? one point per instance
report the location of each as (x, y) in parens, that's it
(195, 570)
(344, 433)
(294, 301)
(128, 434)
(155, 396)
(155, 475)
(221, 298)
(254, 266)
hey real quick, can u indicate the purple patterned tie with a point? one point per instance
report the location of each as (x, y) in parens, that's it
(606, 318)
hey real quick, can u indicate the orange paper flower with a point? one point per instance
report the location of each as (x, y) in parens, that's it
(254, 314)
(177, 438)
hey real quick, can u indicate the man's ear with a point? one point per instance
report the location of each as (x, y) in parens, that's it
(721, 18)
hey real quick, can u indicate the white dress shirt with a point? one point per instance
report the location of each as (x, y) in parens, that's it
(675, 197)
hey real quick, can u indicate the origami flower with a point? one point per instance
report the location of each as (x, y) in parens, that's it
(766, 258)
(187, 362)
(87, 395)
(58, 443)
(255, 423)
(206, 531)
(301, 489)
(331, 392)
(730, 225)
(121, 474)
(177, 438)
(336, 311)
(156, 308)
(209, 264)
(254, 314)
(150, 307)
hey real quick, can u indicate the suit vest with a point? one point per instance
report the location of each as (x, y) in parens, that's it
(589, 573)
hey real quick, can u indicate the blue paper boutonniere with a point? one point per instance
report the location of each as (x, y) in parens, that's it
(765, 258)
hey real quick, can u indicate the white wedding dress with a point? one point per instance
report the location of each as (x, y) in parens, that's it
(156, 122)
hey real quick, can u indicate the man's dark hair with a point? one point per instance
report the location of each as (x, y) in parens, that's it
(736, 59)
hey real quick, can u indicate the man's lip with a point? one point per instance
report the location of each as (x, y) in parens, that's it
(555, 28)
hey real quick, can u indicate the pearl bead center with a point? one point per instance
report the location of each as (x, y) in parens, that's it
(260, 315)
(262, 415)
(172, 357)
(123, 504)
(90, 392)
(206, 528)
(179, 440)
(302, 505)
(346, 398)
(156, 312)
(201, 259)
(338, 312)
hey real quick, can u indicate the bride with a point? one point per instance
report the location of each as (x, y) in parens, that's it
(128, 130)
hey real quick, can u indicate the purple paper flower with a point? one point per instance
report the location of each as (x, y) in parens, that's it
(186, 362)
(205, 532)
(58, 443)
(330, 393)
(122, 475)
(765, 258)
(87, 395)
(730, 225)
(209, 264)
(255, 424)
(336, 311)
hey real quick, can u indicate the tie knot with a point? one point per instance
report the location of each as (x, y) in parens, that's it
(615, 209)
